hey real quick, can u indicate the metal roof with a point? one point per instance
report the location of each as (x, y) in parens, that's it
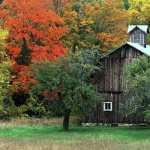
(144, 28)
(145, 50)
(142, 49)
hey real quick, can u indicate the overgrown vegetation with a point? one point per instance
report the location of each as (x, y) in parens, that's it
(138, 88)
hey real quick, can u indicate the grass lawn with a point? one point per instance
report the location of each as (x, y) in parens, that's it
(52, 137)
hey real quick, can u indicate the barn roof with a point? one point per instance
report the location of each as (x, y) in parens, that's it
(145, 50)
(142, 49)
(144, 28)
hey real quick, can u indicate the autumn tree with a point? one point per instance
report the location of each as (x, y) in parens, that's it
(111, 24)
(139, 12)
(95, 24)
(35, 34)
(79, 22)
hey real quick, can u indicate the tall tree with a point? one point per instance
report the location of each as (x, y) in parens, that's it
(68, 81)
(79, 22)
(35, 34)
(111, 25)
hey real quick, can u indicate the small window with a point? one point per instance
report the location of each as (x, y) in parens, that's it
(107, 106)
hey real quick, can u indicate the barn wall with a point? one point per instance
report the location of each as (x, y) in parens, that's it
(112, 79)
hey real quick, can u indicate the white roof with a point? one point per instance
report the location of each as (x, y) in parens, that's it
(144, 28)
(145, 50)
(142, 49)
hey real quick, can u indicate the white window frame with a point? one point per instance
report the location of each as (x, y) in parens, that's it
(104, 106)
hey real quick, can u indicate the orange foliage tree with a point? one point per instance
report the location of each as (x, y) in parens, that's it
(35, 34)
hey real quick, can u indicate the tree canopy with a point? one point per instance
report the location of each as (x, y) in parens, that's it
(27, 41)
(68, 80)
(95, 24)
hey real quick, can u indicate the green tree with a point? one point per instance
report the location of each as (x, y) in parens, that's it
(68, 80)
(138, 88)
(126, 4)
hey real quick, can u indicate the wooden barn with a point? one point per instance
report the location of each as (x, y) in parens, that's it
(111, 82)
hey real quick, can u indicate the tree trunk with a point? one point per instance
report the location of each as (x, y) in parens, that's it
(1, 1)
(66, 120)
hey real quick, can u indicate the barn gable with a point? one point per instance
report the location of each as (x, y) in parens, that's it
(143, 28)
(111, 79)
(138, 34)
(145, 50)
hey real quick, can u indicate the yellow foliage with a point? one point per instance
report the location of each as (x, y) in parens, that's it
(86, 22)
(139, 12)
(96, 25)
(115, 20)
(3, 34)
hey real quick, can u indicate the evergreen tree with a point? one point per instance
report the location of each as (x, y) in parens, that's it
(126, 4)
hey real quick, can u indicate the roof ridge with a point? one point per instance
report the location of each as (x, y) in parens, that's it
(144, 28)
(137, 46)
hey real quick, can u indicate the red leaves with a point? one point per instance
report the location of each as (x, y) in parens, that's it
(13, 51)
(32, 21)
(58, 51)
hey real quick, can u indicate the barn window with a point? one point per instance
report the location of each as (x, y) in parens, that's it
(107, 106)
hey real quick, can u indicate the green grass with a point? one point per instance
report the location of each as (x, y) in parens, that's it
(76, 133)
(43, 137)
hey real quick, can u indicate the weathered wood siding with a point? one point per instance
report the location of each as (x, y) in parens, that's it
(113, 65)
(111, 82)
